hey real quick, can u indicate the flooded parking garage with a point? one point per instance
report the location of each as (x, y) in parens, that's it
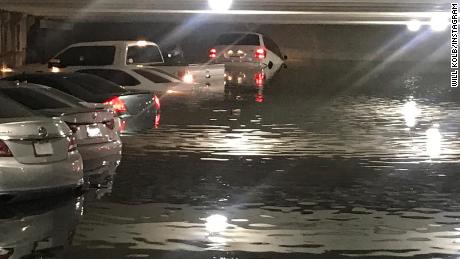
(360, 173)
(351, 150)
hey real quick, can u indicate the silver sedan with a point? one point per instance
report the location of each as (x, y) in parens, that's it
(36, 153)
(95, 129)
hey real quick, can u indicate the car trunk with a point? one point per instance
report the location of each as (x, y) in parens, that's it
(28, 146)
(90, 126)
(138, 102)
(237, 53)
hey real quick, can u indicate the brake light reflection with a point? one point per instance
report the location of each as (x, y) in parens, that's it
(260, 79)
(117, 104)
(157, 121)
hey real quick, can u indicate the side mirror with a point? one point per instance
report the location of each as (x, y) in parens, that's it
(285, 57)
(55, 63)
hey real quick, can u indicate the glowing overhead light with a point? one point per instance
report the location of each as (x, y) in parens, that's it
(216, 223)
(414, 25)
(220, 5)
(439, 22)
(141, 43)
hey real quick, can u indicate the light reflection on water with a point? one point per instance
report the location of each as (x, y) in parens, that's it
(353, 175)
(351, 127)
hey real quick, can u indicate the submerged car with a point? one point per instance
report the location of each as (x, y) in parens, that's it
(36, 153)
(248, 50)
(95, 130)
(153, 79)
(136, 109)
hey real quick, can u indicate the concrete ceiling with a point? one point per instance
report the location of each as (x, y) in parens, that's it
(247, 11)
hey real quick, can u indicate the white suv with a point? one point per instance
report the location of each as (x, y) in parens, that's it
(248, 49)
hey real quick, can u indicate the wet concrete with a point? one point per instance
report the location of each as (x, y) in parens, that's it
(317, 168)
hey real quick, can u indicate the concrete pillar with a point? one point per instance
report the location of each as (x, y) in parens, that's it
(13, 39)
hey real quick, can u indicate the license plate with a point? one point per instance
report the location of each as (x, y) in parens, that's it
(43, 149)
(93, 131)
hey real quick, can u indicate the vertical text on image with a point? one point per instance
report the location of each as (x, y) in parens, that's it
(454, 46)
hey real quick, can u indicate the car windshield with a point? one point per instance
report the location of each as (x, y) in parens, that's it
(95, 84)
(238, 39)
(12, 109)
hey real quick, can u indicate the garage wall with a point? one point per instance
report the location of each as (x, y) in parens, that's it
(301, 43)
(13, 38)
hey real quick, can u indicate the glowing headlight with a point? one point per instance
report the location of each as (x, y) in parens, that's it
(188, 78)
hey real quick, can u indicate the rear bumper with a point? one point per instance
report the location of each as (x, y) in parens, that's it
(19, 178)
(97, 156)
(244, 64)
(135, 123)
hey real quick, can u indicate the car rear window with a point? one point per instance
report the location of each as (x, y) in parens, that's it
(33, 99)
(152, 77)
(117, 77)
(96, 84)
(143, 55)
(238, 39)
(63, 96)
(12, 109)
(87, 56)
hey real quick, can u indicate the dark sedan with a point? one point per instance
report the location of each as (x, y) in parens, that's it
(137, 109)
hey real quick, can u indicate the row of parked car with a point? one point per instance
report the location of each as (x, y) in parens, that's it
(60, 125)
(61, 130)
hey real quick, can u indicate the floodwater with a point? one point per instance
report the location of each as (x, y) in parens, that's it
(320, 163)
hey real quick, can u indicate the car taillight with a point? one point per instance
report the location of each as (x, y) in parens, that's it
(117, 104)
(72, 144)
(260, 79)
(156, 100)
(260, 53)
(110, 124)
(5, 150)
(213, 53)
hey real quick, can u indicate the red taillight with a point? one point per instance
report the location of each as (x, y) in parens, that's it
(4, 150)
(122, 126)
(260, 53)
(110, 124)
(213, 53)
(72, 144)
(260, 79)
(117, 104)
(156, 100)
